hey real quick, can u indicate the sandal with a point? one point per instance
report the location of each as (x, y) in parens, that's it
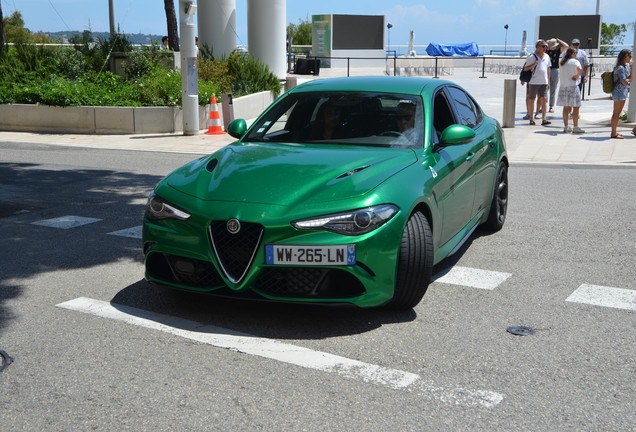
(617, 136)
(634, 132)
(545, 123)
(551, 110)
(532, 123)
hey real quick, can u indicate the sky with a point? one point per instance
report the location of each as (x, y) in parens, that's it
(443, 22)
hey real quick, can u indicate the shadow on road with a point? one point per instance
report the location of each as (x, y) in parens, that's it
(33, 192)
(259, 318)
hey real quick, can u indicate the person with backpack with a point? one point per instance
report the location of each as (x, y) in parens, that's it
(569, 95)
(623, 75)
(539, 63)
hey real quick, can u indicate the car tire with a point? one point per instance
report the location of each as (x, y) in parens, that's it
(415, 263)
(499, 205)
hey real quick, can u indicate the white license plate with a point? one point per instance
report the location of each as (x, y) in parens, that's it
(313, 255)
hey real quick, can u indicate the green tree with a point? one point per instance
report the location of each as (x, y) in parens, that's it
(612, 35)
(300, 33)
(14, 31)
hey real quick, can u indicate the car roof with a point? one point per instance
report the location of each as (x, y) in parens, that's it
(383, 84)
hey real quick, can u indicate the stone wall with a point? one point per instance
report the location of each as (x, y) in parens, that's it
(117, 120)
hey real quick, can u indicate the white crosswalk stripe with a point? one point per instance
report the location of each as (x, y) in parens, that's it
(595, 295)
(66, 222)
(134, 232)
(470, 277)
(286, 353)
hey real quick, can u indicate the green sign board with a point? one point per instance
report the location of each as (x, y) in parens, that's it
(321, 38)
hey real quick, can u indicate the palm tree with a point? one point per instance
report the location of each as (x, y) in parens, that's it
(171, 17)
(1, 29)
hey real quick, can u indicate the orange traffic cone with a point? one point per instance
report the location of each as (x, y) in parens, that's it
(214, 127)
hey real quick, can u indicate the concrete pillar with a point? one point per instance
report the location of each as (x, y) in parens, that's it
(266, 26)
(290, 83)
(510, 97)
(217, 26)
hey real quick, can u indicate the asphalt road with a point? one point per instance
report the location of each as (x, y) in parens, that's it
(449, 364)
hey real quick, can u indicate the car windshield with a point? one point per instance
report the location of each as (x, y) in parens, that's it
(343, 118)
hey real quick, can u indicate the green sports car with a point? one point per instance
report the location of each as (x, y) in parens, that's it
(344, 191)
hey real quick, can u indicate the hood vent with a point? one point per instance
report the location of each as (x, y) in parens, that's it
(352, 172)
(211, 165)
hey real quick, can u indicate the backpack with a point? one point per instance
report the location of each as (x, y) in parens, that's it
(608, 81)
(526, 76)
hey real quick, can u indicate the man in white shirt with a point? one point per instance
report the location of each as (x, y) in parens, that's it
(539, 62)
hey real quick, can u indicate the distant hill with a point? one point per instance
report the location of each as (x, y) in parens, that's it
(132, 38)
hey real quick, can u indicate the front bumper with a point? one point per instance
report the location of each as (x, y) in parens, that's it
(180, 254)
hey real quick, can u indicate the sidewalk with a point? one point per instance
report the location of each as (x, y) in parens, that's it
(525, 143)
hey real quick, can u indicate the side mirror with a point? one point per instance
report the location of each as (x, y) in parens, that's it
(237, 128)
(456, 134)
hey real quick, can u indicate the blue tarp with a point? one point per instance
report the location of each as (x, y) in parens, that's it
(458, 50)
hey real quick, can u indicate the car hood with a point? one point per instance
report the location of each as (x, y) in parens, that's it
(289, 174)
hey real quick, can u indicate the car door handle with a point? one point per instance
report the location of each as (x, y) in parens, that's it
(470, 157)
(492, 141)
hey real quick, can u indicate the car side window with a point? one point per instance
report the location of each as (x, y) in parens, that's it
(466, 109)
(476, 108)
(442, 114)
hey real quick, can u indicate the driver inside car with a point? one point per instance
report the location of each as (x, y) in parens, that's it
(405, 122)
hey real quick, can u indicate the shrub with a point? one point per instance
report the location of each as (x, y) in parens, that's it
(251, 76)
(240, 75)
(160, 88)
(140, 63)
(216, 71)
(26, 57)
(74, 75)
(70, 63)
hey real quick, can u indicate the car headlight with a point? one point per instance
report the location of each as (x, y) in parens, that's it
(158, 209)
(354, 222)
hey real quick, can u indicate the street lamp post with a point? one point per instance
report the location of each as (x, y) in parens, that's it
(111, 19)
(388, 36)
(189, 74)
(506, 41)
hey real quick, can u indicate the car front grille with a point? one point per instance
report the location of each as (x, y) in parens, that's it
(183, 271)
(235, 252)
(304, 282)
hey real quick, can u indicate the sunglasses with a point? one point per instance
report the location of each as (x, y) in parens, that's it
(576, 44)
(334, 113)
(544, 46)
(406, 117)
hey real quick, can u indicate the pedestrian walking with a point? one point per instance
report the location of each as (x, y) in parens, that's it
(539, 63)
(623, 75)
(569, 94)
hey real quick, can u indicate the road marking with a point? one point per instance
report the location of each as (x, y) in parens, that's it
(618, 298)
(134, 232)
(274, 350)
(474, 278)
(66, 222)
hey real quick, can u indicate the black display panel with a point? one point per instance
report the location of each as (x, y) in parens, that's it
(358, 32)
(586, 28)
